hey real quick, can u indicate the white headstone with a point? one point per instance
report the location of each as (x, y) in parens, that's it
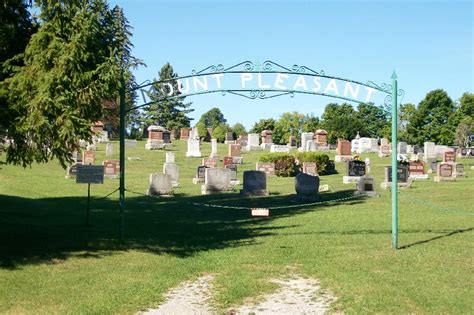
(213, 148)
(172, 169)
(108, 149)
(194, 145)
(160, 184)
(279, 148)
(305, 137)
(170, 157)
(253, 141)
(311, 146)
(429, 151)
(216, 180)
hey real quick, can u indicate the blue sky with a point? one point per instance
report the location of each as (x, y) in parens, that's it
(428, 43)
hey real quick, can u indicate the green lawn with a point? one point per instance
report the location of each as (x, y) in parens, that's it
(51, 263)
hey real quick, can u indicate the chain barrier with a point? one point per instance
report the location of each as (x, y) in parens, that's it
(108, 195)
(434, 206)
(249, 208)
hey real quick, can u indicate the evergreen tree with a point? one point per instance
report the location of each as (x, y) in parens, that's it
(71, 65)
(167, 111)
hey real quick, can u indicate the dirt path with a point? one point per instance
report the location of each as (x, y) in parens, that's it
(296, 295)
(186, 299)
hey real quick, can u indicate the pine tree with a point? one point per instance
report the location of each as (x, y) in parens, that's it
(168, 111)
(71, 66)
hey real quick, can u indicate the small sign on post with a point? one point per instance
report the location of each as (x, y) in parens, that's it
(260, 212)
(89, 174)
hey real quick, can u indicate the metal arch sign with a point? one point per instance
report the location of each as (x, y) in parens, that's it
(263, 81)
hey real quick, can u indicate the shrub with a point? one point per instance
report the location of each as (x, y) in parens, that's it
(285, 164)
(321, 159)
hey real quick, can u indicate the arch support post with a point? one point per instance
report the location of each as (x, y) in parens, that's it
(394, 163)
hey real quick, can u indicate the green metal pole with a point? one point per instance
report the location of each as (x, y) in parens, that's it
(122, 156)
(394, 163)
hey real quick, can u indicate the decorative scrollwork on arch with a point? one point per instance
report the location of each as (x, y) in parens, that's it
(384, 87)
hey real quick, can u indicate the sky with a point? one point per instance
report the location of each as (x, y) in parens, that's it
(429, 44)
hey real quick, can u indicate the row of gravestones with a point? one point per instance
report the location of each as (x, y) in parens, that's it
(111, 167)
(448, 170)
(217, 180)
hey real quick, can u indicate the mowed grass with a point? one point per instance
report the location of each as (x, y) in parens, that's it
(51, 263)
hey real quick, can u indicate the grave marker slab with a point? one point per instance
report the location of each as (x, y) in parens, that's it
(307, 186)
(160, 184)
(255, 184)
(310, 168)
(266, 167)
(88, 158)
(216, 180)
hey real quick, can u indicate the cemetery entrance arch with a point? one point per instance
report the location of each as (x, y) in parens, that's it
(263, 81)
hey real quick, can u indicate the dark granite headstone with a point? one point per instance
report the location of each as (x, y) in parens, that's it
(306, 185)
(355, 168)
(402, 174)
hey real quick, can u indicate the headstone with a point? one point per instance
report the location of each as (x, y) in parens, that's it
(402, 174)
(409, 149)
(458, 170)
(235, 149)
(77, 157)
(402, 147)
(445, 172)
(310, 168)
(384, 150)
(292, 142)
(111, 168)
(266, 139)
(88, 158)
(160, 184)
(214, 153)
(172, 169)
(255, 184)
(170, 158)
(210, 162)
(429, 151)
(343, 151)
(440, 149)
(233, 174)
(307, 186)
(266, 167)
(243, 141)
(355, 143)
(403, 181)
(200, 174)
(449, 157)
(367, 164)
(384, 141)
(229, 137)
(253, 142)
(108, 149)
(367, 145)
(228, 160)
(129, 143)
(305, 137)
(216, 180)
(355, 170)
(97, 127)
(321, 138)
(279, 148)
(417, 170)
(184, 134)
(71, 171)
(366, 186)
(194, 145)
(103, 136)
(416, 149)
(156, 138)
(311, 146)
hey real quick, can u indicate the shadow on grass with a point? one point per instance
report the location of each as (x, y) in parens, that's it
(447, 234)
(48, 230)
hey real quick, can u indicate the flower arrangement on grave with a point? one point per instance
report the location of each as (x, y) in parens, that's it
(356, 157)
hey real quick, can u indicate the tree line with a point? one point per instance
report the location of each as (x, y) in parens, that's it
(436, 118)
